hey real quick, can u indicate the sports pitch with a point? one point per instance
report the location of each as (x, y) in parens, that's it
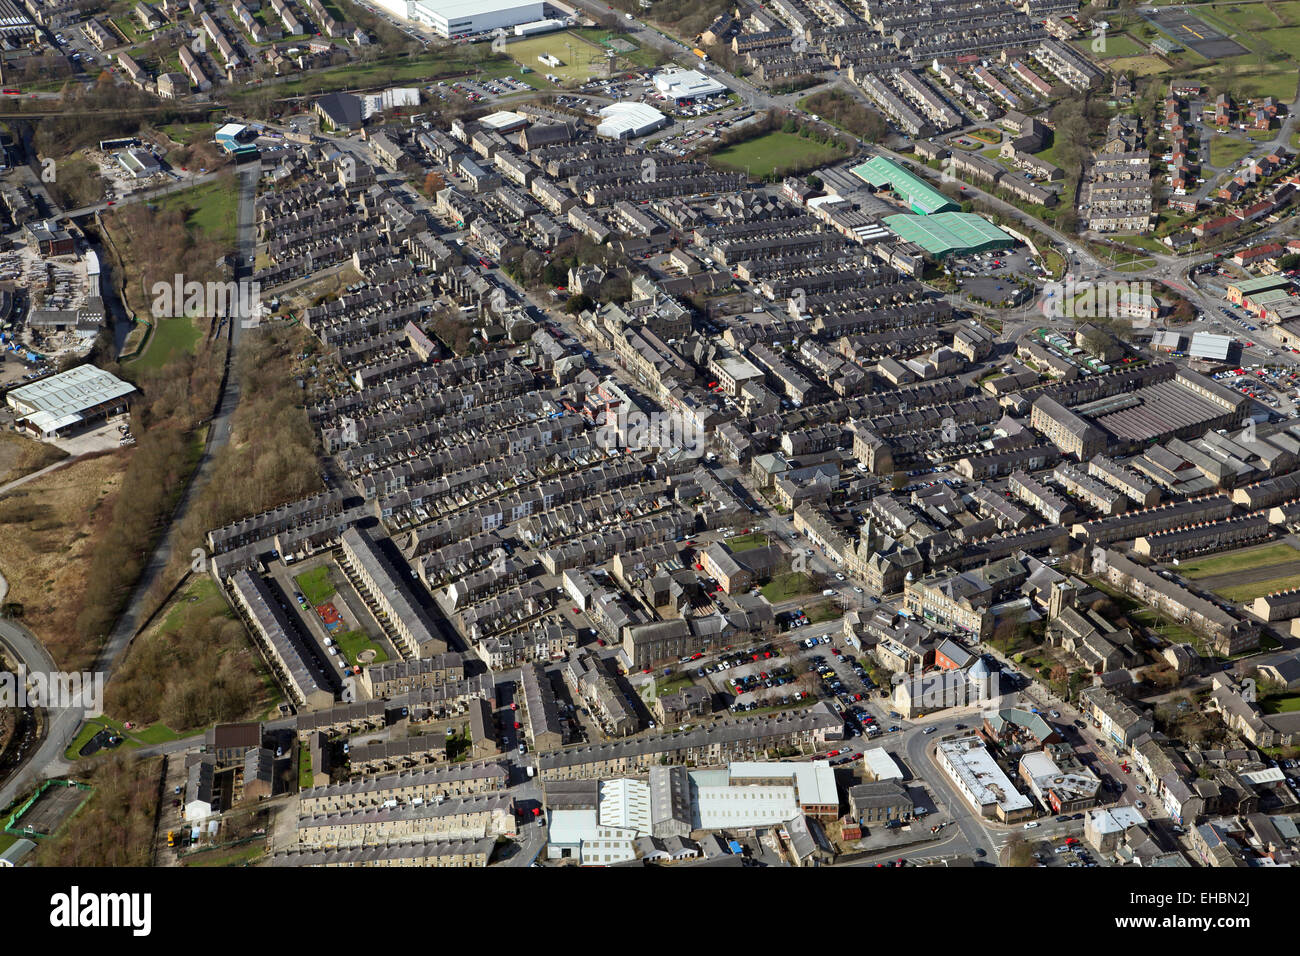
(1194, 33)
(580, 59)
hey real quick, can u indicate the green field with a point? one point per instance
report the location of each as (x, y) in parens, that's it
(315, 585)
(762, 156)
(1227, 151)
(352, 643)
(170, 338)
(1244, 560)
(1248, 592)
(1145, 65)
(662, 686)
(789, 585)
(580, 60)
(745, 542)
(1116, 46)
(209, 208)
(826, 610)
(185, 133)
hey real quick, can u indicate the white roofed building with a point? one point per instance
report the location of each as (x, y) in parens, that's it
(629, 120)
(62, 403)
(679, 85)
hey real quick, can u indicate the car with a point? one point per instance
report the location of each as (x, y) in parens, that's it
(1141, 789)
(1140, 805)
(929, 730)
(1031, 824)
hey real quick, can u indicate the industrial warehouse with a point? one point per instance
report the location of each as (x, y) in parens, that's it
(64, 403)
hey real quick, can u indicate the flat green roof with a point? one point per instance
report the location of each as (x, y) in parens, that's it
(922, 197)
(948, 232)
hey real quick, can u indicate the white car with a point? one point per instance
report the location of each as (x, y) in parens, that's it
(1031, 824)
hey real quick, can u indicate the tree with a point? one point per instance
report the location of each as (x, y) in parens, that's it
(578, 303)
(1018, 851)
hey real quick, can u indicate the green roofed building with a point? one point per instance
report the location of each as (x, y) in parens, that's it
(946, 233)
(919, 196)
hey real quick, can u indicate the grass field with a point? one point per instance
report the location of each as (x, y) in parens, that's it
(1227, 151)
(1248, 592)
(745, 542)
(1145, 65)
(826, 610)
(661, 686)
(762, 156)
(789, 585)
(186, 133)
(209, 209)
(1244, 560)
(580, 59)
(1122, 45)
(170, 338)
(352, 643)
(315, 585)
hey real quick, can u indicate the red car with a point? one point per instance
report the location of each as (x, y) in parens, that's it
(514, 706)
(645, 670)
(833, 753)
(600, 641)
(835, 651)
(518, 725)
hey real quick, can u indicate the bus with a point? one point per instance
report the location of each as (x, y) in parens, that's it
(11, 91)
(700, 53)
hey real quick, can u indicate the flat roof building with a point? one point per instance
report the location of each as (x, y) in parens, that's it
(946, 233)
(919, 196)
(679, 85)
(629, 120)
(62, 403)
